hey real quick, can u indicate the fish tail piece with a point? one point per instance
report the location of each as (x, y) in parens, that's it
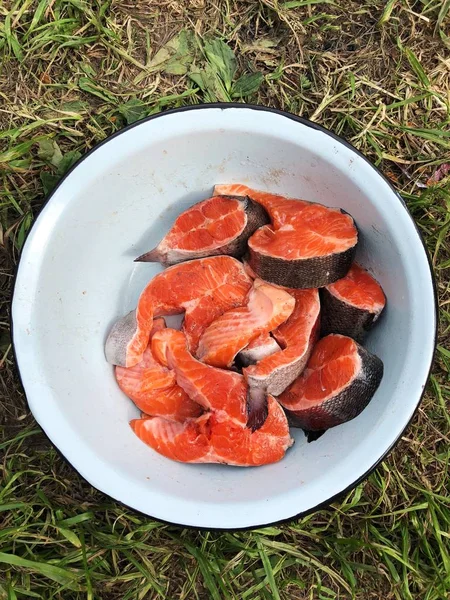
(151, 256)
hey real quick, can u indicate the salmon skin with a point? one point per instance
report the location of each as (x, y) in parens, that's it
(307, 245)
(223, 434)
(203, 289)
(352, 305)
(218, 225)
(153, 388)
(339, 381)
(261, 347)
(266, 308)
(296, 338)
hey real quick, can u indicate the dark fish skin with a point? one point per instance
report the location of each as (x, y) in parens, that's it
(257, 408)
(312, 436)
(301, 273)
(256, 217)
(340, 317)
(346, 405)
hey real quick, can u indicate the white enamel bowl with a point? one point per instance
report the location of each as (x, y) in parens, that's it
(77, 275)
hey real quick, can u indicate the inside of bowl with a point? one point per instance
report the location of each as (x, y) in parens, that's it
(77, 276)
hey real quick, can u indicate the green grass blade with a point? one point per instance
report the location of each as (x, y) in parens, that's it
(417, 67)
(443, 13)
(205, 569)
(301, 3)
(387, 12)
(268, 570)
(53, 572)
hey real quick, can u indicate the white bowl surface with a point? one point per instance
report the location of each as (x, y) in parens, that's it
(77, 275)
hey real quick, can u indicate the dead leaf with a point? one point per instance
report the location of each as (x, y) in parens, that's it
(176, 56)
(439, 174)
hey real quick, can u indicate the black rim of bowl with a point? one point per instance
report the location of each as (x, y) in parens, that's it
(307, 123)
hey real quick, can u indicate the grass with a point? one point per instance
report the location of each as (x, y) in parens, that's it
(378, 73)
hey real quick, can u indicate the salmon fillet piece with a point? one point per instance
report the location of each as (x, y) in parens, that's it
(353, 304)
(153, 387)
(308, 245)
(209, 439)
(218, 225)
(267, 307)
(203, 289)
(338, 383)
(280, 209)
(296, 337)
(223, 434)
(223, 392)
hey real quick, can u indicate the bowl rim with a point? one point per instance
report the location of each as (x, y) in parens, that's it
(306, 122)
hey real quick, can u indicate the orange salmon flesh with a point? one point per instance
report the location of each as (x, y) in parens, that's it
(274, 311)
(359, 289)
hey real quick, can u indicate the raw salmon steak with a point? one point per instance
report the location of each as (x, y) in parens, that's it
(203, 289)
(266, 308)
(153, 387)
(296, 338)
(223, 392)
(352, 305)
(339, 381)
(307, 245)
(224, 434)
(280, 209)
(208, 439)
(214, 389)
(218, 225)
